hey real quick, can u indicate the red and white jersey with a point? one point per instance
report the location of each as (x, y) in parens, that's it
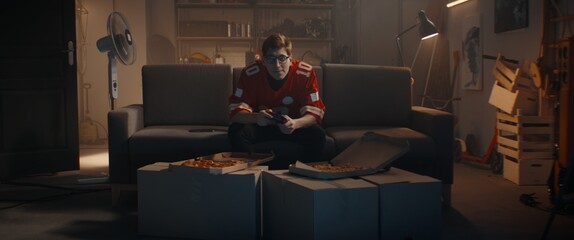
(298, 96)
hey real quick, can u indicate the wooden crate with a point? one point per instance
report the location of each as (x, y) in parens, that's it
(512, 102)
(527, 172)
(525, 137)
(512, 76)
(513, 89)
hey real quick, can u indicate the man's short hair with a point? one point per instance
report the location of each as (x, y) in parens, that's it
(277, 41)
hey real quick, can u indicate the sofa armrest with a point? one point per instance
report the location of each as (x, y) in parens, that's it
(439, 126)
(122, 124)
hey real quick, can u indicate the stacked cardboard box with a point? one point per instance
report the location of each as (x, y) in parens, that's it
(182, 203)
(409, 205)
(296, 207)
(525, 136)
(184, 200)
(396, 204)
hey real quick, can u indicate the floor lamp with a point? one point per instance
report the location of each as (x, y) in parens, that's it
(427, 29)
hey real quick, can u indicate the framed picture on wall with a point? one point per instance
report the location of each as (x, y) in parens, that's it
(510, 15)
(471, 64)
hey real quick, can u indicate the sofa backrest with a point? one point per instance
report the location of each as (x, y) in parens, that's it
(236, 75)
(364, 95)
(180, 94)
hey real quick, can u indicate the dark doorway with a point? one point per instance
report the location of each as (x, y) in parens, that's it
(38, 88)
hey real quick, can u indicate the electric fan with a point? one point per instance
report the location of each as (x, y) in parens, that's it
(120, 43)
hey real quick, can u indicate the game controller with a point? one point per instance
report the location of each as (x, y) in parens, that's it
(278, 118)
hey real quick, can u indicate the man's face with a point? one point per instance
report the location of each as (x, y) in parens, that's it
(277, 62)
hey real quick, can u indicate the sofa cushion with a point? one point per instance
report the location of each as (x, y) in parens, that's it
(419, 159)
(192, 94)
(362, 95)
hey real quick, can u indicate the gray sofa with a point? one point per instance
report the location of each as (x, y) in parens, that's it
(184, 115)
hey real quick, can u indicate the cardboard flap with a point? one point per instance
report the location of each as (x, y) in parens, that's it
(372, 150)
(304, 166)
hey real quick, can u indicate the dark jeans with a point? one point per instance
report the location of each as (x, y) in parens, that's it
(243, 137)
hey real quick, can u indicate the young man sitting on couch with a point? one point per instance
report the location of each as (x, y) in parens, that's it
(277, 99)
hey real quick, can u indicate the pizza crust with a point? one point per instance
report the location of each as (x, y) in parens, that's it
(205, 163)
(327, 167)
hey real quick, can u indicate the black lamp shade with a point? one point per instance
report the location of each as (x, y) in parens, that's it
(427, 28)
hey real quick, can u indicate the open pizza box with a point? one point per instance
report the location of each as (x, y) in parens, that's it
(370, 154)
(221, 163)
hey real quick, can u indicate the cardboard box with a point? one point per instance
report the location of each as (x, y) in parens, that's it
(372, 153)
(199, 206)
(409, 205)
(296, 207)
(527, 172)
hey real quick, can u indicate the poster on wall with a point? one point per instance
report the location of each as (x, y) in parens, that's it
(471, 67)
(510, 15)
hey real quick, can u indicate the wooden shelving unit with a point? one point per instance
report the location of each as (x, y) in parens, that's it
(309, 26)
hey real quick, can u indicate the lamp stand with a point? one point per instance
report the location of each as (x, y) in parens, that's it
(416, 56)
(413, 78)
(401, 62)
(398, 40)
(429, 71)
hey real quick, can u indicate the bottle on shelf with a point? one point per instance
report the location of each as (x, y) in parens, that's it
(219, 59)
(248, 30)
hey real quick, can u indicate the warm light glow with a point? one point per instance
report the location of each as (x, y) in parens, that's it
(454, 3)
(429, 36)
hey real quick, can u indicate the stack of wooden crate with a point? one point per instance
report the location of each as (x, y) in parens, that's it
(525, 135)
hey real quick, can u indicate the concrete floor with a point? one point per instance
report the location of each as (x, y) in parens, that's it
(484, 206)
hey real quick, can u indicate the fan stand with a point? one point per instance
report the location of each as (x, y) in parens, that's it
(113, 92)
(112, 79)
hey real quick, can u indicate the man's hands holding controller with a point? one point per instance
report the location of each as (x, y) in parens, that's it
(267, 117)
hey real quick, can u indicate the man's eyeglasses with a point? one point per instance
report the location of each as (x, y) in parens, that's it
(272, 59)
